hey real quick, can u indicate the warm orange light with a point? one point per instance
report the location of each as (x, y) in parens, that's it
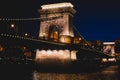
(73, 55)
(1, 49)
(104, 60)
(80, 39)
(85, 44)
(12, 25)
(112, 59)
(57, 5)
(28, 54)
(56, 32)
(44, 34)
(23, 48)
(26, 34)
(52, 54)
(65, 39)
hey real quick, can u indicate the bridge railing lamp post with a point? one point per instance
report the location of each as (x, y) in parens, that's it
(12, 25)
(26, 34)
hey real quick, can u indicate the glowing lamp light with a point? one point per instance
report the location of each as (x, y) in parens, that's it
(52, 54)
(56, 32)
(104, 60)
(80, 38)
(26, 34)
(109, 43)
(1, 49)
(61, 52)
(49, 52)
(73, 55)
(112, 59)
(85, 44)
(57, 5)
(12, 25)
(43, 34)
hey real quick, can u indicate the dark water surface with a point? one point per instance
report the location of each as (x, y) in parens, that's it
(28, 72)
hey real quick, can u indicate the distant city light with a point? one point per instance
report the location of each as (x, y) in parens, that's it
(1, 48)
(56, 32)
(26, 34)
(80, 38)
(105, 43)
(112, 59)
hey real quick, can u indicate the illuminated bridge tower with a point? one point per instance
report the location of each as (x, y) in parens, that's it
(109, 48)
(57, 22)
(56, 25)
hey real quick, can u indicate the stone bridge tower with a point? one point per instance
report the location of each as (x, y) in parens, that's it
(57, 22)
(109, 48)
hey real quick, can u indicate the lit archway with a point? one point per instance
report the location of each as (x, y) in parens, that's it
(53, 32)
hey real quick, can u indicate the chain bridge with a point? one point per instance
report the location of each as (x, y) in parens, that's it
(58, 38)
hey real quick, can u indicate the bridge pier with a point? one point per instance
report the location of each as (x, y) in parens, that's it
(54, 59)
(56, 54)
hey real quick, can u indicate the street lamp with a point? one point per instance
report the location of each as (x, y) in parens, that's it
(26, 34)
(1, 48)
(12, 26)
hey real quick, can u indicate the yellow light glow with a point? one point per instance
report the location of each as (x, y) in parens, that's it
(1, 49)
(112, 59)
(62, 39)
(52, 54)
(54, 51)
(104, 60)
(67, 54)
(49, 52)
(24, 48)
(12, 25)
(61, 52)
(44, 34)
(57, 5)
(73, 55)
(65, 39)
(110, 43)
(56, 32)
(26, 34)
(80, 39)
(85, 44)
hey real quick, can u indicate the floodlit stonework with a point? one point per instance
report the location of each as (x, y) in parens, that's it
(56, 20)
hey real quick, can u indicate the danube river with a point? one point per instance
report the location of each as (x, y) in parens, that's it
(28, 72)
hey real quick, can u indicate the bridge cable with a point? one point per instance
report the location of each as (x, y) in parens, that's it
(28, 19)
(81, 36)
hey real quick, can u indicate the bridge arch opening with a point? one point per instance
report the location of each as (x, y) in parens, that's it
(53, 32)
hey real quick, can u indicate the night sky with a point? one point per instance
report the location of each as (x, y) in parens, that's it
(94, 19)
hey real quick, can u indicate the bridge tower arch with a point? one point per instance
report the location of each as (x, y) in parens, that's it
(56, 24)
(109, 48)
(53, 32)
(59, 15)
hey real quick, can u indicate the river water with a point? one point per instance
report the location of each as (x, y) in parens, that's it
(28, 72)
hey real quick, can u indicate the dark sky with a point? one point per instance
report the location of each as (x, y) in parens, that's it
(94, 19)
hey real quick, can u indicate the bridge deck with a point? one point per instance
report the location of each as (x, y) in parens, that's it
(35, 43)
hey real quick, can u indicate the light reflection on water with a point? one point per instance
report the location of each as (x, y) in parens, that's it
(59, 76)
(109, 73)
